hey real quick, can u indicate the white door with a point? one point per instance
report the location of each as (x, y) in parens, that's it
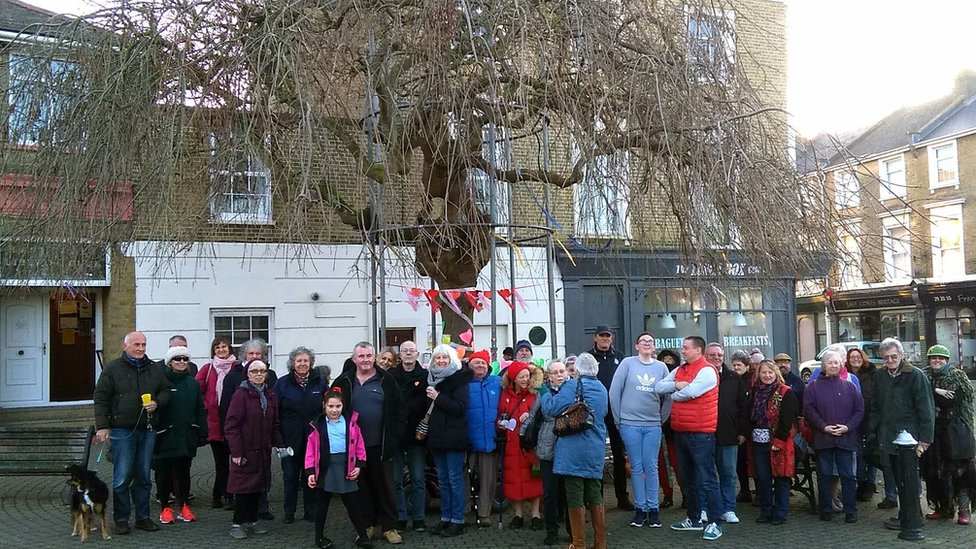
(22, 350)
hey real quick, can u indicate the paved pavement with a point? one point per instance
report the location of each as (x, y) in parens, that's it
(33, 514)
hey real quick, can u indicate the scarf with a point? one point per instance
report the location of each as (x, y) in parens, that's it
(222, 366)
(435, 376)
(302, 381)
(259, 389)
(761, 394)
(144, 361)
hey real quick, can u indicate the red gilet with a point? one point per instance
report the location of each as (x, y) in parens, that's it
(698, 415)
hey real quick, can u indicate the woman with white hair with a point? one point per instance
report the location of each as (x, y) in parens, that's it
(579, 457)
(447, 434)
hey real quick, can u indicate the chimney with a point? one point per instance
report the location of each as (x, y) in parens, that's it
(965, 83)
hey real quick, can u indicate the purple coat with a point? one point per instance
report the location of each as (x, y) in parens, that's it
(832, 401)
(251, 433)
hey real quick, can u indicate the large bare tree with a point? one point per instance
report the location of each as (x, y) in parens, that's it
(382, 118)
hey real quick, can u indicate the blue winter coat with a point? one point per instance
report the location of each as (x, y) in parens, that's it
(582, 454)
(483, 412)
(297, 407)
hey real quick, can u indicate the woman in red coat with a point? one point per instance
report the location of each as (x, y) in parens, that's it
(519, 384)
(251, 430)
(211, 380)
(774, 409)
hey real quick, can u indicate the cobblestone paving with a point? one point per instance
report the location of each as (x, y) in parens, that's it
(33, 515)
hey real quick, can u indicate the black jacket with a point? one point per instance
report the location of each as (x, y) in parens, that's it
(609, 360)
(118, 393)
(449, 421)
(297, 407)
(733, 408)
(413, 391)
(393, 415)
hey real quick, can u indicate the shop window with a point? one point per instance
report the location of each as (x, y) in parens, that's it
(904, 327)
(849, 328)
(673, 314)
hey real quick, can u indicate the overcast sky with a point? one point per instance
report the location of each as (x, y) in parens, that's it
(851, 61)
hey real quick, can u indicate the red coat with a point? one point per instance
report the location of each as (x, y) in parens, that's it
(207, 378)
(517, 480)
(251, 433)
(782, 419)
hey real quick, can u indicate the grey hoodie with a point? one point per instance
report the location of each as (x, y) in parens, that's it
(632, 395)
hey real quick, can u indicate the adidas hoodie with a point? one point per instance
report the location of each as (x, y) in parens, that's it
(632, 396)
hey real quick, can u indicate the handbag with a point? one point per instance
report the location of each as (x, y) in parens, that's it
(422, 427)
(578, 417)
(959, 439)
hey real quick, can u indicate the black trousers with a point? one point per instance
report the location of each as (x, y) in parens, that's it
(221, 457)
(246, 507)
(173, 477)
(376, 490)
(350, 500)
(619, 461)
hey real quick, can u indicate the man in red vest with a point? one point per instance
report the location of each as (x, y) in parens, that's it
(694, 418)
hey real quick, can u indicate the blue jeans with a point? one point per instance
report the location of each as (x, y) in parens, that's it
(842, 461)
(890, 483)
(132, 453)
(726, 459)
(696, 465)
(450, 476)
(410, 500)
(774, 492)
(643, 444)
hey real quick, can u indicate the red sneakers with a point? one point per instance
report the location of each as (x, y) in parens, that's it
(166, 517)
(186, 515)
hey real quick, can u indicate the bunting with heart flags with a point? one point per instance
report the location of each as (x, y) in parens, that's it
(480, 300)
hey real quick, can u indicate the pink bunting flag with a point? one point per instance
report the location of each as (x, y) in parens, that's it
(485, 299)
(520, 300)
(413, 297)
(450, 297)
(466, 337)
(431, 296)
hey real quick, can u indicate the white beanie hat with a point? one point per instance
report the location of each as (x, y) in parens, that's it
(174, 352)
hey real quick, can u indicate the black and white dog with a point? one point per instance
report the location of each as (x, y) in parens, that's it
(89, 498)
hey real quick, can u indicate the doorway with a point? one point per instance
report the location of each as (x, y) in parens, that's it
(72, 347)
(396, 336)
(22, 349)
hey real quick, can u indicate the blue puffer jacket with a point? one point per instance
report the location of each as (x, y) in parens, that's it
(483, 412)
(582, 454)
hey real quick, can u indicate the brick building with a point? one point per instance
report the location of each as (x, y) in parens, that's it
(238, 275)
(906, 187)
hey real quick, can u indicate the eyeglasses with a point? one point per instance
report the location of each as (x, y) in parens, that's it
(890, 357)
(645, 341)
(181, 359)
(257, 371)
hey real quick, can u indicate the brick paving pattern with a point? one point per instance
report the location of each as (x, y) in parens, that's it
(33, 515)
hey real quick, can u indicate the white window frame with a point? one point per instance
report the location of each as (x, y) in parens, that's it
(702, 44)
(896, 244)
(26, 129)
(240, 313)
(604, 189)
(847, 189)
(247, 165)
(851, 275)
(893, 180)
(497, 149)
(952, 158)
(945, 213)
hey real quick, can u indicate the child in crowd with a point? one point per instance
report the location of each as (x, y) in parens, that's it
(334, 457)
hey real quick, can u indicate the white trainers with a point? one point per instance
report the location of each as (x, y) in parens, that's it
(730, 517)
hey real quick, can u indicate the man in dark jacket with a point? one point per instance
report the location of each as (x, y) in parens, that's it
(127, 396)
(903, 401)
(733, 426)
(609, 359)
(785, 364)
(375, 395)
(411, 500)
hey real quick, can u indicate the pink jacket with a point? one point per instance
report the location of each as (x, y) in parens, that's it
(355, 448)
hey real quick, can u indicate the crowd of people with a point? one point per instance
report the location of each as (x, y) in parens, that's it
(539, 434)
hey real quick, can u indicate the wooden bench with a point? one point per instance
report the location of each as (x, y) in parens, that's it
(27, 451)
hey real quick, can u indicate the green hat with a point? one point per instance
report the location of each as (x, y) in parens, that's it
(938, 350)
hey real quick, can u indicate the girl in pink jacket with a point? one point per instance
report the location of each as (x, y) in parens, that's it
(334, 456)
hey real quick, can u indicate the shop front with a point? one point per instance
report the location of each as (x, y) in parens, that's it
(949, 310)
(879, 313)
(634, 293)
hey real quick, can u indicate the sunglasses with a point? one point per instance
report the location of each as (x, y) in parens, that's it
(181, 359)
